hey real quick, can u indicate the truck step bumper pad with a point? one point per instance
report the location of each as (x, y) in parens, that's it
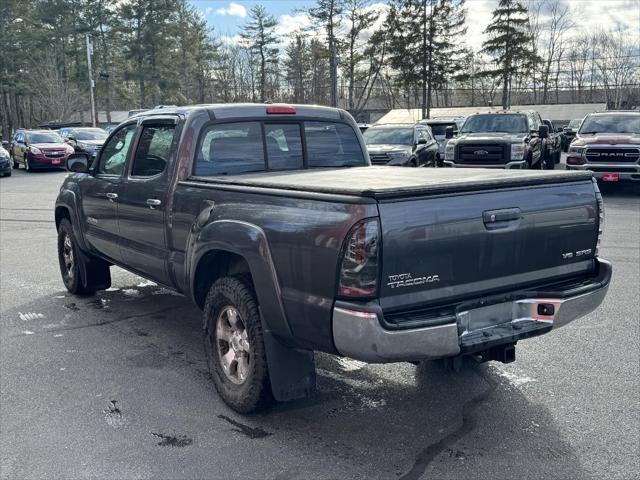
(359, 334)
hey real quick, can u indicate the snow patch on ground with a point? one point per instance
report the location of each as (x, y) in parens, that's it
(147, 283)
(165, 291)
(350, 365)
(131, 292)
(513, 378)
(25, 317)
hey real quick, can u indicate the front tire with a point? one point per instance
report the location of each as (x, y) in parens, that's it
(27, 167)
(70, 259)
(234, 345)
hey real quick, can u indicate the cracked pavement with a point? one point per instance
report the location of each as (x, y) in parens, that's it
(116, 385)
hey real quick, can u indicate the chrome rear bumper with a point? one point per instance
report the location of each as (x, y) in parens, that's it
(359, 334)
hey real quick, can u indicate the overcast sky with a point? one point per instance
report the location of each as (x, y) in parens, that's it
(228, 17)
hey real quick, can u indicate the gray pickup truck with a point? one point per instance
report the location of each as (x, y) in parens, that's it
(271, 218)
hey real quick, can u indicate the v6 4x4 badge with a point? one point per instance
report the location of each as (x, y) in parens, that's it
(407, 280)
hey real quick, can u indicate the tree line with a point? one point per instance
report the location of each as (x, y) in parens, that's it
(411, 53)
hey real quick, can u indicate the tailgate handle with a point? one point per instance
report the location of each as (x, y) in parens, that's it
(501, 218)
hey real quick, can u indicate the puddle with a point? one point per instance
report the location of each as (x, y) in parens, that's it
(148, 359)
(251, 432)
(178, 441)
(113, 415)
(98, 303)
(72, 306)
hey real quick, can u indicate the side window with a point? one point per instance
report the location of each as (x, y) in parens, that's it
(230, 148)
(423, 133)
(154, 150)
(114, 153)
(284, 146)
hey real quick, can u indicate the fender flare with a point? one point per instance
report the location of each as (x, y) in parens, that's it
(249, 242)
(291, 371)
(68, 200)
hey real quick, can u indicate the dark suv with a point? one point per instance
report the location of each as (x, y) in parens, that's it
(499, 140)
(84, 139)
(406, 145)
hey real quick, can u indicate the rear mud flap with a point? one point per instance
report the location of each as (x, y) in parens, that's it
(292, 372)
(94, 271)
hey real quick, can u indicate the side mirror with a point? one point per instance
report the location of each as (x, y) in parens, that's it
(421, 141)
(71, 139)
(543, 131)
(77, 164)
(448, 132)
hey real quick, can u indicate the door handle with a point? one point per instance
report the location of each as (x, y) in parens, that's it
(153, 203)
(112, 196)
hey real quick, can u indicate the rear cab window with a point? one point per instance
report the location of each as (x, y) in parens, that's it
(253, 146)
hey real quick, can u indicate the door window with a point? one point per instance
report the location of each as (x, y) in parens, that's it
(114, 153)
(154, 150)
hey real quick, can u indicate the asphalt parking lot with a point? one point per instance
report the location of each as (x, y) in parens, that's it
(116, 386)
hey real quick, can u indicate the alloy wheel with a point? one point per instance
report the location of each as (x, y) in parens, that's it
(233, 345)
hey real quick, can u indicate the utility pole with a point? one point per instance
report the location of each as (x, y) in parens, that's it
(91, 83)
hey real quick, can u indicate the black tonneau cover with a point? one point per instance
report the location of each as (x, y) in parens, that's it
(389, 182)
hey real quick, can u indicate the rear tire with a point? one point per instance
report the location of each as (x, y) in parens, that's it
(14, 164)
(234, 345)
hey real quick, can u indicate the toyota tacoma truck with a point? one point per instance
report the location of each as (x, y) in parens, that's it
(608, 144)
(272, 220)
(499, 140)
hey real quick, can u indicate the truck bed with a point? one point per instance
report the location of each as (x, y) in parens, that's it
(388, 182)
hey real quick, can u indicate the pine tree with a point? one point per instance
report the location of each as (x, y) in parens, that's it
(509, 44)
(423, 46)
(327, 16)
(259, 35)
(298, 65)
(359, 17)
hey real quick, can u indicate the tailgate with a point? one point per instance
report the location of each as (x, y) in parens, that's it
(442, 249)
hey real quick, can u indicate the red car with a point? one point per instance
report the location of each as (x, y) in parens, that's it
(38, 149)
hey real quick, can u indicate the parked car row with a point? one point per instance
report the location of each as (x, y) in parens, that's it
(38, 149)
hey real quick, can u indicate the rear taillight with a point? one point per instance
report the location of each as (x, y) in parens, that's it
(600, 215)
(360, 260)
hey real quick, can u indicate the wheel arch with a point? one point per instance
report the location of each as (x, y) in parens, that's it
(231, 247)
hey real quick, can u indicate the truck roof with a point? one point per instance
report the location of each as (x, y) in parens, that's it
(250, 110)
(389, 182)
